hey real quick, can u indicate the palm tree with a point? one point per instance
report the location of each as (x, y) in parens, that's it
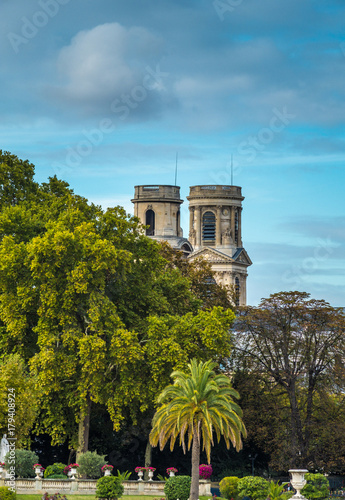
(197, 405)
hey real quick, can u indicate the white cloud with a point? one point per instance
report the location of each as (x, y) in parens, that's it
(107, 63)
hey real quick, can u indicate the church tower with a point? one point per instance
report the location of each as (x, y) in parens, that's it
(215, 232)
(158, 207)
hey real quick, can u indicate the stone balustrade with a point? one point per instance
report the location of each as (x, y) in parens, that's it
(88, 486)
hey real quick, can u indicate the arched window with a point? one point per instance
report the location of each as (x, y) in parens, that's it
(237, 291)
(178, 216)
(209, 226)
(186, 248)
(150, 221)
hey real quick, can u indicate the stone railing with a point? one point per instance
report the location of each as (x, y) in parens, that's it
(88, 486)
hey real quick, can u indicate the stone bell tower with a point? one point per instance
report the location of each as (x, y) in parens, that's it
(215, 231)
(158, 207)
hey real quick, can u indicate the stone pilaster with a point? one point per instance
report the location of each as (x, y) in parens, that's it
(197, 227)
(218, 226)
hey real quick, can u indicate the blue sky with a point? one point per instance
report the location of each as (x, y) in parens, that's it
(104, 93)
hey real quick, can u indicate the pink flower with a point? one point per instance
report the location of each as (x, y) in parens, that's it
(171, 469)
(139, 469)
(205, 471)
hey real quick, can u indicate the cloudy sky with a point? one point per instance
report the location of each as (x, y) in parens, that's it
(103, 93)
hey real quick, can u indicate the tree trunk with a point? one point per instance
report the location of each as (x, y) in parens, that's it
(84, 428)
(194, 487)
(297, 448)
(148, 458)
(70, 456)
(309, 413)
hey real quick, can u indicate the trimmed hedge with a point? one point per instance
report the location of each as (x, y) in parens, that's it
(177, 487)
(109, 487)
(6, 494)
(317, 487)
(55, 469)
(228, 487)
(254, 487)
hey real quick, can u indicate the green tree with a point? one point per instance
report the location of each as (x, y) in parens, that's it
(17, 384)
(202, 278)
(198, 404)
(16, 179)
(298, 344)
(83, 295)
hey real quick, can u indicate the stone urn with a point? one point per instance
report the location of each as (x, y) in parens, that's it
(73, 473)
(107, 472)
(297, 482)
(140, 474)
(38, 472)
(150, 475)
(171, 473)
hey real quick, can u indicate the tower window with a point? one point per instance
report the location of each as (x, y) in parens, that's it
(150, 221)
(209, 226)
(178, 215)
(237, 291)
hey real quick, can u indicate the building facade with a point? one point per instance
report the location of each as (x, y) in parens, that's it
(215, 227)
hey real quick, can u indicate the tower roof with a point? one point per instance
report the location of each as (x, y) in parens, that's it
(157, 192)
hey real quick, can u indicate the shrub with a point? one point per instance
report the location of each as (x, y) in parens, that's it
(25, 460)
(229, 487)
(53, 470)
(90, 464)
(58, 476)
(275, 490)
(6, 494)
(254, 487)
(109, 487)
(317, 487)
(177, 487)
(286, 495)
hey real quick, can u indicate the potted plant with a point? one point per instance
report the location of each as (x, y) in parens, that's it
(73, 470)
(2, 467)
(37, 468)
(150, 471)
(140, 472)
(171, 471)
(205, 471)
(107, 469)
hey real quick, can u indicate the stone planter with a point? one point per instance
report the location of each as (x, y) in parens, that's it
(171, 473)
(38, 472)
(73, 473)
(107, 472)
(150, 475)
(140, 474)
(297, 482)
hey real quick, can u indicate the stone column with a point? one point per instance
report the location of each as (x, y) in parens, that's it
(191, 218)
(197, 228)
(218, 228)
(240, 227)
(232, 222)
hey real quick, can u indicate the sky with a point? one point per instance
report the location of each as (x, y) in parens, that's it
(105, 93)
